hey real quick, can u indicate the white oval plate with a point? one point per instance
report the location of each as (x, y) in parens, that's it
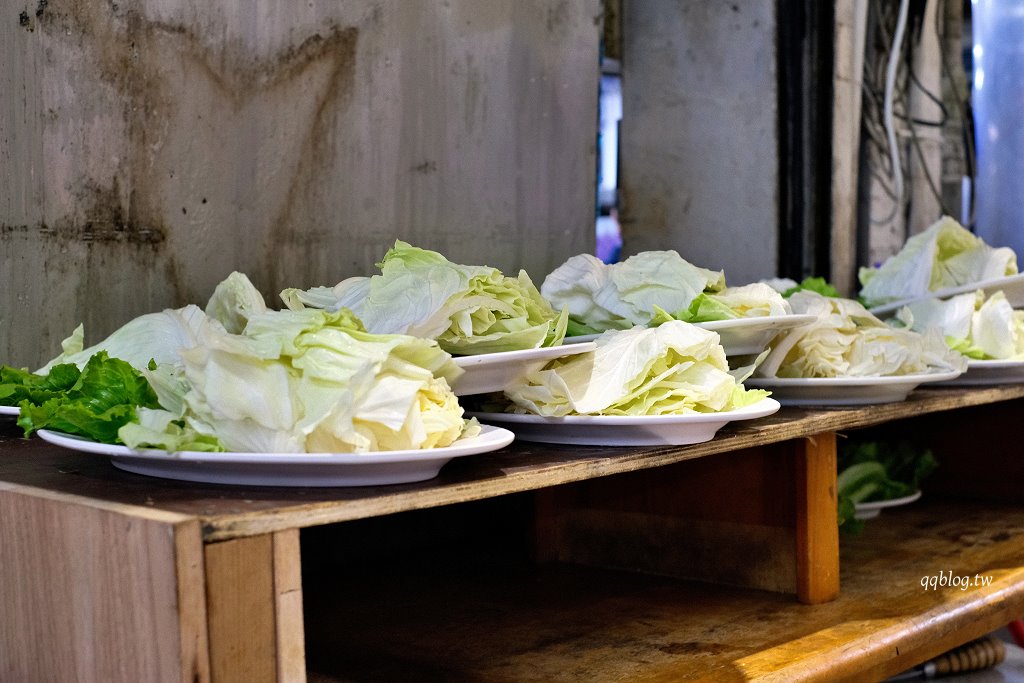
(489, 372)
(750, 336)
(844, 391)
(871, 510)
(289, 469)
(1012, 287)
(12, 411)
(988, 372)
(623, 430)
(739, 336)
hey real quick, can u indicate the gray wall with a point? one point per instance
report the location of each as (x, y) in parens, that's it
(699, 141)
(148, 149)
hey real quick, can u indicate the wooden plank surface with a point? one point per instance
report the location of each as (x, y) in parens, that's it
(241, 607)
(235, 511)
(93, 594)
(254, 592)
(447, 616)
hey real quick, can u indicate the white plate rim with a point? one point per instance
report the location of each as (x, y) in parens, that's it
(756, 322)
(522, 355)
(491, 438)
(762, 408)
(871, 380)
(10, 410)
(995, 283)
(760, 322)
(891, 502)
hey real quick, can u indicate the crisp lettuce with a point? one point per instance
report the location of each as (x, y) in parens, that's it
(846, 340)
(234, 301)
(944, 255)
(467, 309)
(675, 368)
(103, 397)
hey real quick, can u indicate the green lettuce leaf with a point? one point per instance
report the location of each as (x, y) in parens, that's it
(814, 284)
(102, 399)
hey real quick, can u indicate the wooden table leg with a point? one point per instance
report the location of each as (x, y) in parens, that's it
(254, 606)
(817, 529)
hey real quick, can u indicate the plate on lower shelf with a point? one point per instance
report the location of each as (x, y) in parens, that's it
(487, 372)
(844, 391)
(988, 372)
(626, 430)
(739, 336)
(872, 509)
(1012, 286)
(289, 469)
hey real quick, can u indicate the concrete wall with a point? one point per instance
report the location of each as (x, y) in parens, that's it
(699, 138)
(147, 149)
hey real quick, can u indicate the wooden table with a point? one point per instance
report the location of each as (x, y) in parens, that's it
(106, 575)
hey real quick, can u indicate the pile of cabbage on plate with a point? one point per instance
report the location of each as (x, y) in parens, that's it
(846, 340)
(649, 288)
(673, 369)
(945, 255)
(467, 309)
(979, 327)
(239, 377)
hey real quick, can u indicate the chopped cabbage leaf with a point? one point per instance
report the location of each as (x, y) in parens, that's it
(675, 368)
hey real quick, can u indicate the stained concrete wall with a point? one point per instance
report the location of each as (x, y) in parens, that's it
(699, 139)
(148, 149)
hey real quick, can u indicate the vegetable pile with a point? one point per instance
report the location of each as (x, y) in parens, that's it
(944, 255)
(873, 471)
(243, 378)
(467, 309)
(648, 289)
(673, 369)
(978, 327)
(848, 341)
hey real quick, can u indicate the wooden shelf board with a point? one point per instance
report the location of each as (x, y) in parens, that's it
(450, 617)
(232, 512)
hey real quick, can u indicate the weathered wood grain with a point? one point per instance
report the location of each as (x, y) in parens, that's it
(470, 618)
(231, 512)
(94, 593)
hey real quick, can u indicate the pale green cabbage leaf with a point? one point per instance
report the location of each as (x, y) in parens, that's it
(467, 309)
(311, 381)
(944, 255)
(846, 340)
(976, 326)
(675, 368)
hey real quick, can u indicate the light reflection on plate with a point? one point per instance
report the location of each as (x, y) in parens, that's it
(871, 510)
(289, 469)
(844, 391)
(487, 372)
(988, 372)
(626, 430)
